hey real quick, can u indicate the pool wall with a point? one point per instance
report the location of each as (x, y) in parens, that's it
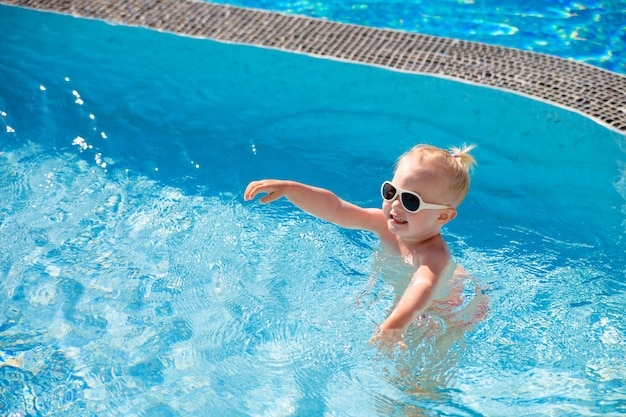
(594, 92)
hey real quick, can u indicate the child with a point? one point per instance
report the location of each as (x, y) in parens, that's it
(428, 185)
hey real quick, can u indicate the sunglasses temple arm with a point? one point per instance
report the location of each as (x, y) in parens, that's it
(433, 206)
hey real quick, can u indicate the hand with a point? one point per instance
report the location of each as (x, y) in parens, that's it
(388, 339)
(275, 189)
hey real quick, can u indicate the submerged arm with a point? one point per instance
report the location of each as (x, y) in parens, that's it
(416, 298)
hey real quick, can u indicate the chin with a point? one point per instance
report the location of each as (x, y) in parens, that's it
(395, 227)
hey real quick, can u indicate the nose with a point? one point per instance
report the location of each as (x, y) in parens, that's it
(395, 203)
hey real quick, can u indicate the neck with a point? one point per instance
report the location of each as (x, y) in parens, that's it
(415, 242)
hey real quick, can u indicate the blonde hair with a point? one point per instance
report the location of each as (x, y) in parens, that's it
(454, 164)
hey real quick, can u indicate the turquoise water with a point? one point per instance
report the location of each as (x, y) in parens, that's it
(136, 281)
(590, 31)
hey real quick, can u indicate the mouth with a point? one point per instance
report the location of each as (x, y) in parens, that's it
(397, 220)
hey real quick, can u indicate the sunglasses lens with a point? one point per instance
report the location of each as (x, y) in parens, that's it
(389, 191)
(410, 202)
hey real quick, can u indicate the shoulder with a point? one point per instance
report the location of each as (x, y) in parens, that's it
(433, 255)
(433, 269)
(373, 219)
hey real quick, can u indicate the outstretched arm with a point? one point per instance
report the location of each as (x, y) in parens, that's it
(318, 202)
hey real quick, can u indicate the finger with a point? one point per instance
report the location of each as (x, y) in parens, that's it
(248, 194)
(252, 190)
(271, 196)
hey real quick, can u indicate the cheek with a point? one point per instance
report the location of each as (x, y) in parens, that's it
(386, 208)
(426, 217)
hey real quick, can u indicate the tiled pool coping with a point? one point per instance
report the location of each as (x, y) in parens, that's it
(595, 92)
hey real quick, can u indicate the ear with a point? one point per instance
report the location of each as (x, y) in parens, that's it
(446, 215)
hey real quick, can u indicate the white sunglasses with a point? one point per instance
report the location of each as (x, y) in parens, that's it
(412, 202)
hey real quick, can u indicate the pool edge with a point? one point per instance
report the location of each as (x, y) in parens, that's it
(594, 92)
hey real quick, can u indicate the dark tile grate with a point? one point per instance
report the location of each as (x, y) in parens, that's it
(595, 92)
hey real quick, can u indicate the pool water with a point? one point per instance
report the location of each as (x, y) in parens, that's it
(136, 281)
(590, 31)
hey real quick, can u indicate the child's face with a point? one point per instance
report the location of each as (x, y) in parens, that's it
(431, 187)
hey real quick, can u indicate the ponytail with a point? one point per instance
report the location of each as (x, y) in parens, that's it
(462, 155)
